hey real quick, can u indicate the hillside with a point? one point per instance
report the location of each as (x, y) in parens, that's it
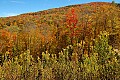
(57, 16)
(79, 41)
(97, 14)
(100, 15)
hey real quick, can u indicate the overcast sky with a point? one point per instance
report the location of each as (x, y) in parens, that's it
(15, 7)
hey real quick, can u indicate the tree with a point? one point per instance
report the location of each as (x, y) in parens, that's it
(113, 2)
(72, 20)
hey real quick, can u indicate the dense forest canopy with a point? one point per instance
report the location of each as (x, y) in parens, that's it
(76, 33)
(52, 23)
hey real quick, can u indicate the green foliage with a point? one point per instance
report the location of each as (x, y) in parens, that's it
(102, 47)
(108, 63)
(25, 67)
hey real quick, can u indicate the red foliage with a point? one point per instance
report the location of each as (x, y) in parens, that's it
(72, 20)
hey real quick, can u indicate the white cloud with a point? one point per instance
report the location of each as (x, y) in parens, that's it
(11, 14)
(19, 2)
(8, 14)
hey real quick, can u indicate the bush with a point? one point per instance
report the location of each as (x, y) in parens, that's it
(103, 64)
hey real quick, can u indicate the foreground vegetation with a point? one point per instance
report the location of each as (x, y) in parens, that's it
(102, 64)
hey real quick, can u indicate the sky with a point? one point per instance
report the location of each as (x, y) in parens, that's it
(16, 7)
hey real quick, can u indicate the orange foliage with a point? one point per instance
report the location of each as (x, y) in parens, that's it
(7, 41)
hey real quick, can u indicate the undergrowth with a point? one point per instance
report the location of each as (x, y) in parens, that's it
(102, 64)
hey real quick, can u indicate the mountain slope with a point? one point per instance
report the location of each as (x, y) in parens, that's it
(47, 30)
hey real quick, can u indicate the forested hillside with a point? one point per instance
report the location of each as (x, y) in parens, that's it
(68, 43)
